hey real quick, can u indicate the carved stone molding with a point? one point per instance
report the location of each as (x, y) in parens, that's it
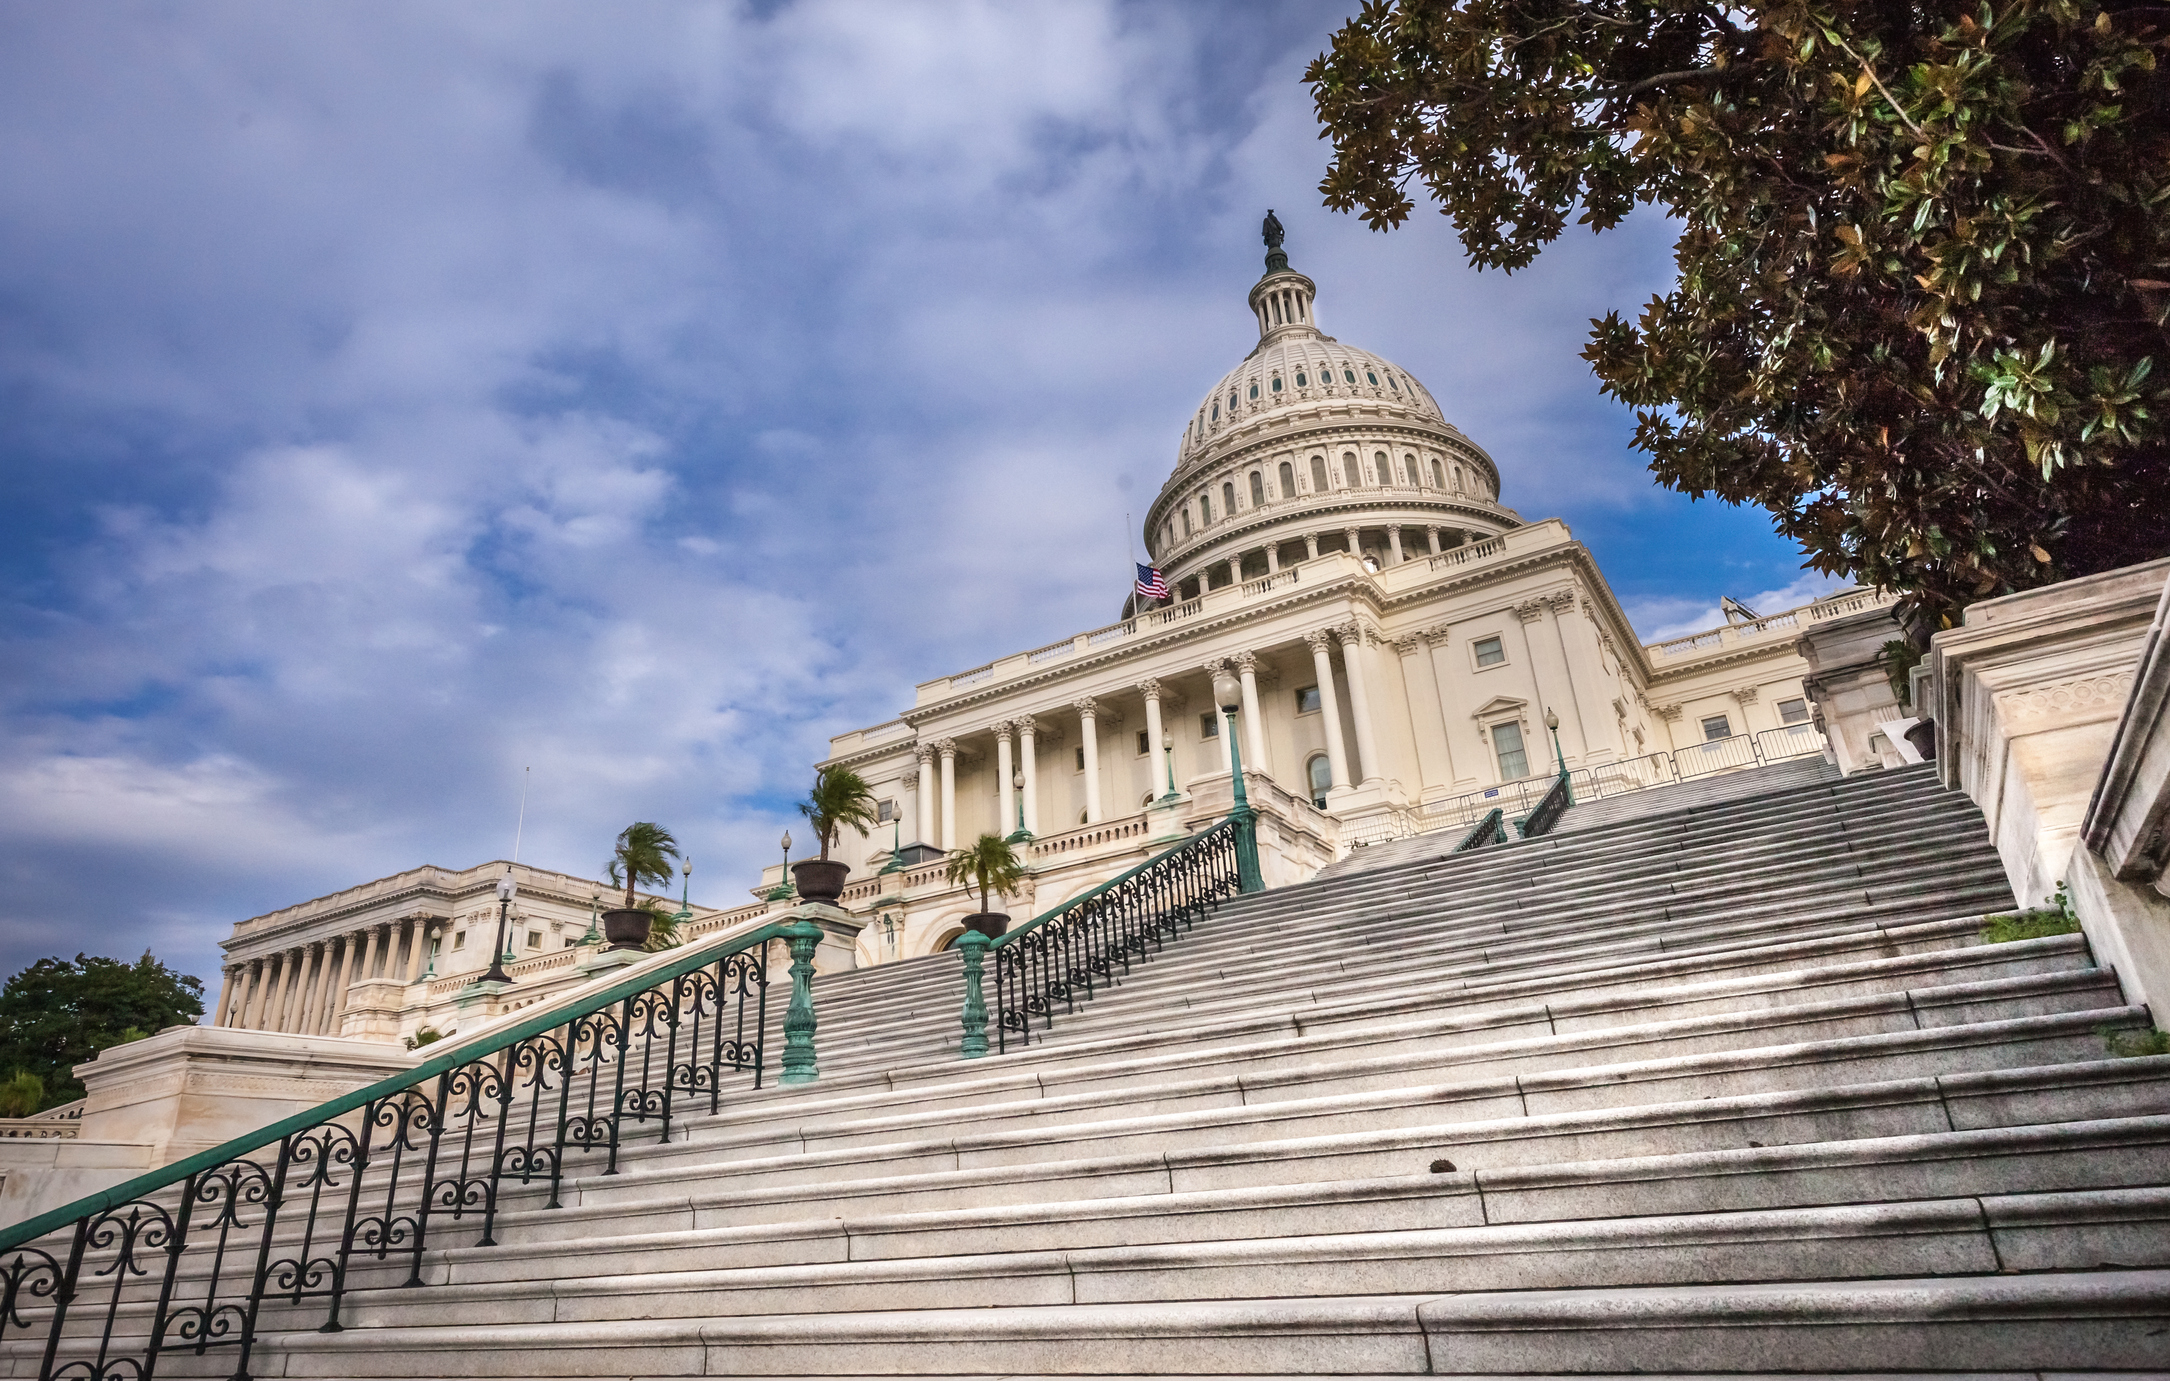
(2109, 690)
(1026, 724)
(1746, 695)
(1245, 661)
(1668, 713)
(947, 747)
(1530, 610)
(1213, 665)
(1086, 705)
(1409, 646)
(1149, 688)
(1560, 600)
(1002, 728)
(924, 752)
(1319, 638)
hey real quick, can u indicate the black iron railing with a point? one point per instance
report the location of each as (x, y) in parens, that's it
(1487, 831)
(1062, 957)
(1550, 807)
(188, 1257)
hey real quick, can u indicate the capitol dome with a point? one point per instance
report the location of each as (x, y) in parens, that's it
(1310, 445)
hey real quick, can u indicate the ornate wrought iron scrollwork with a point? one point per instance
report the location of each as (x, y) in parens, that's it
(379, 1174)
(1062, 958)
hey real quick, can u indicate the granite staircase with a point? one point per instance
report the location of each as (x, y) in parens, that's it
(1734, 1088)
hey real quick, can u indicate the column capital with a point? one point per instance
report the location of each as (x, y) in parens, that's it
(1245, 661)
(1149, 688)
(1746, 695)
(1560, 600)
(1530, 610)
(1667, 713)
(947, 747)
(1025, 724)
(1354, 632)
(1086, 705)
(1437, 635)
(1408, 646)
(924, 752)
(1319, 638)
(1213, 665)
(1003, 729)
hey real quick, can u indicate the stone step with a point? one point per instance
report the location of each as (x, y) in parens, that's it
(1971, 1236)
(2112, 1319)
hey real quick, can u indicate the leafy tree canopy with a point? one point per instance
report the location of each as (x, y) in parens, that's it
(839, 797)
(1924, 256)
(56, 1014)
(644, 853)
(989, 864)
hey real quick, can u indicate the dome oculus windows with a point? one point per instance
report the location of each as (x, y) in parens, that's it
(1349, 374)
(1373, 377)
(1276, 383)
(1254, 390)
(1300, 379)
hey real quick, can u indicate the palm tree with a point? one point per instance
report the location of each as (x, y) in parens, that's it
(644, 854)
(991, 864)
(840, 797)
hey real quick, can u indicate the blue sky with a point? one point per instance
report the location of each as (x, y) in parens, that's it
(397, 396)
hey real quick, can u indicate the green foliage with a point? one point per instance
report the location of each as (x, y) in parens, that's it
(22, 1094)
(990, 865)
(428, 1035)
(57, 1014)
(1899, 658)
(839, 797)
(2131, 1045)
(662, 926)
(1923, 264)
(2026, 925)
(643, 854)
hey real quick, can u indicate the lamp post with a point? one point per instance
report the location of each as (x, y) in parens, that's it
(505, 891)
(1017, 781)
(1228, 694)
(436, 932)
(685, 888)
(595, 908)
(1552, 722)
(1167, 755)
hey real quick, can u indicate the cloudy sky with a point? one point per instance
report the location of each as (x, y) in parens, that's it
(397, 396)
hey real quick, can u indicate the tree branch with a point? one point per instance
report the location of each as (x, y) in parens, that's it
(1662, 79)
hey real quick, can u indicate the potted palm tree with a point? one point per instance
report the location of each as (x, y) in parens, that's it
(840, 797)
(644, 854)
(991, 865)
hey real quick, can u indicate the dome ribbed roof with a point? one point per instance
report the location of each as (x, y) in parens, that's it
(1310, 369)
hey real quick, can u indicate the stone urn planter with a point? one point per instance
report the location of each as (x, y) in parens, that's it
(988, 923)
(626, 929)
(820, 881)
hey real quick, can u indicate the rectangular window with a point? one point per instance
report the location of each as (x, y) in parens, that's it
(1490, 653)
(1307, 700)
(571, 943)
(885, 812)
(1205, 509)
(459, 939)
(1793, 712)
(1513, 762)
(1145, 745)
(1080, 757)
(1209, 725)
(534, 939)
(1717, 727)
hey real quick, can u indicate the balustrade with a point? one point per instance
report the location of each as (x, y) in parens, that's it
(188, 1258)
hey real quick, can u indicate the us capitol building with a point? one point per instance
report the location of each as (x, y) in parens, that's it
(1411, 653)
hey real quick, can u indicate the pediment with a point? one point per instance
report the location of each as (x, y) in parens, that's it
(1500, 707)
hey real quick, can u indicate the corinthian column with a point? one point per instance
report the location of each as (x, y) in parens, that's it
(1029, 762)
(926, 826)
(1150, 689)
(1352, 656)
(1322, 666)
(1004, 792)
(1089, 734)
(226, 988)
(1254, 726)
(948, 749)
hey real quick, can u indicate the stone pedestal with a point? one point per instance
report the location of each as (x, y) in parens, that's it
(1167, 819)
(839, 948)
(2029, 692)
(1847, 685)
(188, 1088)
(373, 1007)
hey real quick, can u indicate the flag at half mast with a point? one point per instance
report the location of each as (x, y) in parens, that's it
(1151, 583)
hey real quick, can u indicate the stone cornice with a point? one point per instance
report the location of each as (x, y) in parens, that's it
(1373, 508)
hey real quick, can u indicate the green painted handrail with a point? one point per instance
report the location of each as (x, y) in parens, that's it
(1051, 913)
(694, 957)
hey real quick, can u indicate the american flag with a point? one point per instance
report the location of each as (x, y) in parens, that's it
(1151, 583)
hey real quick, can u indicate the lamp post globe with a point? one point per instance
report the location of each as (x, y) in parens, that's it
(506, 890)
(1552, 723)
(1228, 694)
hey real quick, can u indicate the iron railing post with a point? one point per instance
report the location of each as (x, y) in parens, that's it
(972, 946)
(799, 1021)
